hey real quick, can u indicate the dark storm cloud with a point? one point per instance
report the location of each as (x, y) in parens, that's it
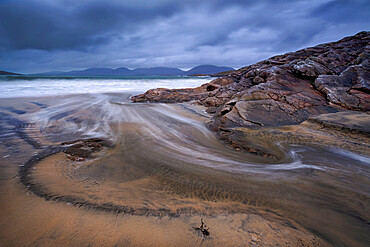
(45, 26)
(41, 35)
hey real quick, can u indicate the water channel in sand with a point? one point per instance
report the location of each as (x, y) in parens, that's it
(165, 171)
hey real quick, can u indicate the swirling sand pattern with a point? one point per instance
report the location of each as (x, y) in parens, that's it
(165, 163)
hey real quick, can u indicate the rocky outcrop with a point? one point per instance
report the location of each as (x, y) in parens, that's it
(350, 121)
(350, 89)
(165, 95)
(285, 89)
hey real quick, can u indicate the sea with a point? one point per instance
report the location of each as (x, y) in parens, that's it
(36, 86)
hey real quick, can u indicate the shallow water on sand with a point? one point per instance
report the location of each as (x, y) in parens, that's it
(167, 170)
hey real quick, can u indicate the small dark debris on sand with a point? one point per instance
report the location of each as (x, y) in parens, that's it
(202, 229)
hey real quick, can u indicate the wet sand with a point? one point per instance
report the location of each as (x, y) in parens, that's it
(164, 173)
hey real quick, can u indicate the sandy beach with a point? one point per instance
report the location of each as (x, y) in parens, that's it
(150, 173)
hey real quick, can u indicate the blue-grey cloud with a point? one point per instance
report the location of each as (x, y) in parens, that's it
(42, 35)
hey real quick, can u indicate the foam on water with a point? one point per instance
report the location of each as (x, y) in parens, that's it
(178, 135)
(350, 155)
(36, 87)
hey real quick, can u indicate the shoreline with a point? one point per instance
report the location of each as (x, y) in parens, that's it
(160, 180)
(65, 202)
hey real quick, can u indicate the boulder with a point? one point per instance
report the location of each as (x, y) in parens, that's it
(166, 95)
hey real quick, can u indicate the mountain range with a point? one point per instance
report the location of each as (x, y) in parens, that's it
(154, 71)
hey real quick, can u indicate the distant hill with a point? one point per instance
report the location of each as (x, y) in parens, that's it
(7, 73)
(122, 71)
(155, 71)
(207, 70)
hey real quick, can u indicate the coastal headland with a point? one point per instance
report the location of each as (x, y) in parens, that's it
(286, 90)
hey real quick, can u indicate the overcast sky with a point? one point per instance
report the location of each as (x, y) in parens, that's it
(47, 35)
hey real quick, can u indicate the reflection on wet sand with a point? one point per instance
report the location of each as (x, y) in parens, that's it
(163, 172)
